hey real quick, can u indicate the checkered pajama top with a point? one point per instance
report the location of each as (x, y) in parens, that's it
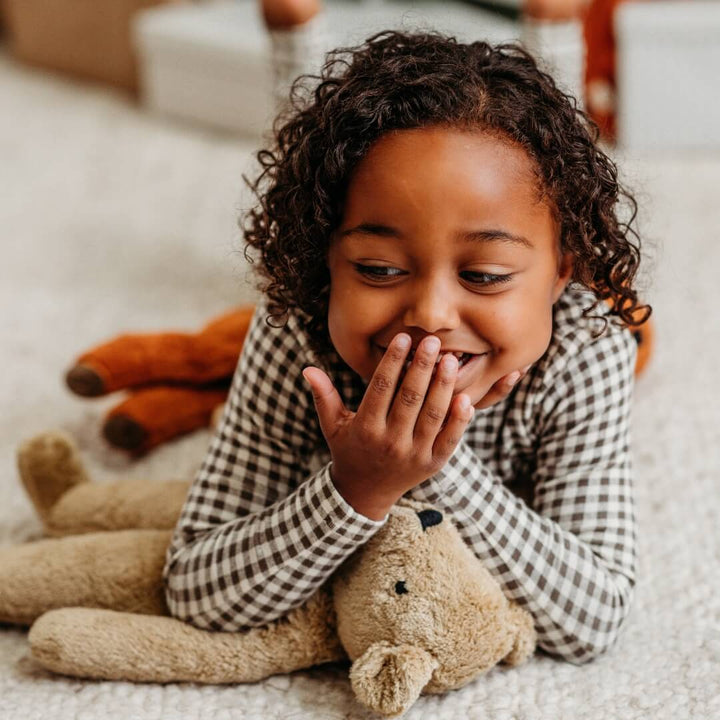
(539, 487)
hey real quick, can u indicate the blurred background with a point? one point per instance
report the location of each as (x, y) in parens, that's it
(126, 129)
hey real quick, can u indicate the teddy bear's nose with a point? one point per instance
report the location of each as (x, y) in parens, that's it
(428, 518)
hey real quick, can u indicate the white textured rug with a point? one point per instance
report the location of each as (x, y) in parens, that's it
(112, 220)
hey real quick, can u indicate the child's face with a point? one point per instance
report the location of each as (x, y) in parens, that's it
(443, 234)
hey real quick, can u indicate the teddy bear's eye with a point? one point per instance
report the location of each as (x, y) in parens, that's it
(400, 588)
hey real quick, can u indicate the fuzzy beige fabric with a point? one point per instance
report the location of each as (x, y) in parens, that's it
(119, 572)
(55, 480)
(49, 458)
(142, 648)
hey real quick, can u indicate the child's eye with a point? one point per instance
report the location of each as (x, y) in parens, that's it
(486, 279)
(378, 272)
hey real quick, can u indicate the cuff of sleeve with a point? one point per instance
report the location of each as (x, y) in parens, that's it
(336, 510)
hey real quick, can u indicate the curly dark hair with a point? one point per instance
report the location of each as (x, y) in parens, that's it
(398, 80)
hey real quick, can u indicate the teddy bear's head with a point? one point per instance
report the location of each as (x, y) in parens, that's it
(418, 612)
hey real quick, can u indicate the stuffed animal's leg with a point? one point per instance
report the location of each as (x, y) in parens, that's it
(68, 504)
(120, 570)
(151, 416)
(49, 466)
(141, 359)
(110, 645)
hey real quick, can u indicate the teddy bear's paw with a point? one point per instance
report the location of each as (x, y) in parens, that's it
(525, 637)
(389, 678)
(49, 466)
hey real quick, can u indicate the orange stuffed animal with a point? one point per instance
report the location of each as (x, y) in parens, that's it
(177, 380)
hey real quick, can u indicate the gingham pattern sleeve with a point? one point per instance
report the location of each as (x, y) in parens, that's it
(570, 558)
(259, 532)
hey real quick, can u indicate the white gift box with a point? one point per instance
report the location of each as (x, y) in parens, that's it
(206, 62)
(668, 74)
(209, 62)
(561, 47)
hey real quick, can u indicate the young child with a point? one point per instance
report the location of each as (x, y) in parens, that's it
(436, 230)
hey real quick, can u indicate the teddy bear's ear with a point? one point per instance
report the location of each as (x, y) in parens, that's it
(525, 636)
(389, 678)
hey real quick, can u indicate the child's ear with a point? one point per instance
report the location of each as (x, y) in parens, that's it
(565, 271)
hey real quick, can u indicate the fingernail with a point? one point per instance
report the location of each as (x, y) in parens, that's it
(526, 368)
(449, 361)
(465, 403)
(403, 341)
(512, 378)
(432, 344)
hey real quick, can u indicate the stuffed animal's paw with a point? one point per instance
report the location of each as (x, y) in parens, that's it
(525, 638)
(49, 465)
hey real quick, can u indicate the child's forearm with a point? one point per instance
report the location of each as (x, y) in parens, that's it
(253, 569)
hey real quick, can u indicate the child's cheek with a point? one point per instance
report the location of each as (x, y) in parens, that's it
(349, 343)
(526, 343)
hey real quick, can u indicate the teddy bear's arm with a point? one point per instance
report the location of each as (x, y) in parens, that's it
(108, 645)
(521, 624)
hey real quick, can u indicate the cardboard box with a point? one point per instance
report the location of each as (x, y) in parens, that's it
(86, 38)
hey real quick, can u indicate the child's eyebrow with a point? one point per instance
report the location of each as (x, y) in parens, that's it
(496, 235)
(480, 236)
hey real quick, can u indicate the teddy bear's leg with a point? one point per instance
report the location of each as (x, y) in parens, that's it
(49, 466)
(122, 505)
(119, 570)
(108, 645)
(68, 504)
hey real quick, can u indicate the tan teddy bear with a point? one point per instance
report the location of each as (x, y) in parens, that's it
(413, 609)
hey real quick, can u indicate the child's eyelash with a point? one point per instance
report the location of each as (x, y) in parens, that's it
(489, 278)
(382, 272)
(377, 272)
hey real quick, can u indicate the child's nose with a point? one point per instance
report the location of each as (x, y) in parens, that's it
(432, 307)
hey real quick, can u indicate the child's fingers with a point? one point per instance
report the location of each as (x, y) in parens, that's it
(328, 403)
(439, 397)
(413, 390)
(461, 412)
(502, 388)
(378, 397)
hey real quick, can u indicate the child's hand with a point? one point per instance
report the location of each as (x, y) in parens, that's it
(502, 388)
(392, 443)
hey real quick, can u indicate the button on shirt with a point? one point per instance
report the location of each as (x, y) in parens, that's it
(539, 487)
